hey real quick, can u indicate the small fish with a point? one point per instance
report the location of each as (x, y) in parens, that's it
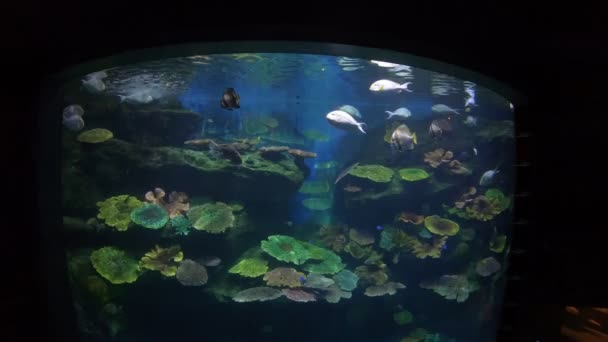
(93, 85)
(403, 139)
(443, 109)
(444, 247)
(488, 177)
(439, 128)
(210, 261)
(72, 110)
(230, 99)
(384, 64)
(343, 120)
(440, 90)
(73, 123)
(396, 258)
(470, 102)
(345, 172)
(352, 68)
(388, 85)
(475, 151)
(399, 112)
(351, 110)
(137, 97)
(511, 106)
(471, 121)
(379, 227)
(210, 120)
(352, 188)
(302, 280)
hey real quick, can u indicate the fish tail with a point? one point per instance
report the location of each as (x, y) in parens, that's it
(404, 86)
(415, 139)
(390, 114)
(362, 127)
(122, 97)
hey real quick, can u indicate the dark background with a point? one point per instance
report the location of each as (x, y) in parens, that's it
(555, 56)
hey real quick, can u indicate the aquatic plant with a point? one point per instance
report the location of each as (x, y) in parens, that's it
(314, 187)
(497, 245)
(298, 295)
(334, 236)
(452, 287)
(287, 249)
(257, 294)
(164, 260)
(346, 280)
(213, 218)
(413, 175)
(284, 276)
(403, 317)
(441, 226)
(115, 211)
(180, 224)
(250, 267)
(150, 216)
(375, 173)
(389, 288)
(114, 265)
(438, 157)
(95, 136)
(486, 267)
(318, 203)
(333, 294)
(191, 273)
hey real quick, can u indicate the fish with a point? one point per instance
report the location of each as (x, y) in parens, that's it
(488, 177)
(384, 64)
(73, 123)
(72, 110)
(137, 97)
(400, 112)
(93, 85)
(345, 172)
(351, 110)
(230, 99)
(302, 280)
(396, 258)
(400, 67)
(210, 261)
(470, 121)
(403, 73)
(343, 120)
(353, 68)
(388, 85)
(379, 228)
(443, 109)
(440, 127)
(352, 188)
(440, 90)
(403, 139)
(475, 151)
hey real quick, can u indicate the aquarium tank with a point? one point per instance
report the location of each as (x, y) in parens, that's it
(241, 193)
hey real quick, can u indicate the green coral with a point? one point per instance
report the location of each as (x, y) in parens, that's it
(115, 211)
(314, 187)
(164, 260)
(287, 249)
(375, 173)
(150, 216)
(317, 203)
(441, 226)
(180, 224)
(95, 136)
(331, 263)
(357, 251)
(114, 265)
(251, 268)
(403, 317)
(412, 174)
(497, 198)
(213, 218)
(483, 208)
(346, 280)
(498, 244)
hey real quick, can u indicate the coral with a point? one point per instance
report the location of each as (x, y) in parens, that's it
(180, 225)
(374, 258)
(317, 203)
(251, 267)
(164, 260)
(411, 218)
(191, 273)
(346, 280)
(283, 276)
(333, 294)
(375, 173)
(298, 295)
(317, 281)
(114, 265)
(467, 234)
(465, 198)
(438, 157)
(395, 238)
(175, 206)
(95, 136)
(213, 218)
(315, 187)
(287, 249)
(497, 245)
(150, 216)
(403, 317)
(497, 198)
(301, 154)
(115, 211)
(452, 287)
(456, 168)
(372, 274)
(389, 288)
(334, 236)
(488, 266)
(331, 263)
(357, 251)
(363, 238)
(413, 175)
(484, 207)
(422, 250)
(441, 226)
(257, 294)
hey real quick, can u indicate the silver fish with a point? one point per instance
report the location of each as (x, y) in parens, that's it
(73, 123)
(351, 110)
(400, 112)
(345, 172)
(403, 139)
(470, 121)
(443, 109)
(93, 85)
(488, 177)
(343, 120)
(210, 261)
(137, 97)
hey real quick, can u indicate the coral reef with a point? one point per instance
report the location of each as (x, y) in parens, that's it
(150, 216)
(333, 294)
(191, 273)
(257, 294)
(357, 251)
(251, 267)
(483, 207)
(334, 236)
(372, 274)
(213, 218)
(346, 280)
(164, 260)
(363, 238)
(285, 248)
(176, 205)
(114, 265)
(391, 238)
(95, 136)
(408, 217)
(331, 263)
(298, 295)
(317, 281)
(438, 157)
(283, 276)
(180, 225)
(389, 288)
(441, 226)
(413, 175)
(486, 267)
(375, 173)
(453, 287)
(422, 249)
(115, 211)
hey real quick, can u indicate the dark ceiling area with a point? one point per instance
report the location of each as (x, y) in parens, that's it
(553, 56)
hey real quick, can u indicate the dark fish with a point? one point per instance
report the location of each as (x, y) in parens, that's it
(345, 172)
(440, 127)
(230, 99)
(403, 139)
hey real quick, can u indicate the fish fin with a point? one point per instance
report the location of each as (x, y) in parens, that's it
(456, 111)
(362, 127)
(390, 114)
(404, 86)
(122, 97)
(415, 139)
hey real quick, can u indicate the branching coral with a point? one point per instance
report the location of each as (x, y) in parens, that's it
(213, 218)
(283, 276)
(115, 211)
(150, 216)
(251, 267)
(164, 260)
(114, 265)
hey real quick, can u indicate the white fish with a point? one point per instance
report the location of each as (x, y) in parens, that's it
(384, 64)
(403, 73)
(98, 74)
(352, 68)
(443, 109)
(470, 102)
(137, 97)
(470, 121)
(440, 90)
(93, 85)
(210, 261)
(400, 68)
(73, 123)
(387, 85)
(488, 177)
(351, 110)
(343, 120)
(72, 110)
(475, 150)
(402, 112)
(511, 106)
